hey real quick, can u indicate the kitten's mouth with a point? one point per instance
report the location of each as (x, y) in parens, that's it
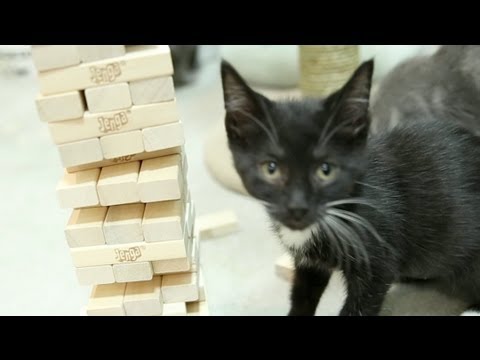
(296, 225)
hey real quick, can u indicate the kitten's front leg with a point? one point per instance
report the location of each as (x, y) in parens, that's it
(308, 286)
(365, 294)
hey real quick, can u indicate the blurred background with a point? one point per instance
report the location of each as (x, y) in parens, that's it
(36, 271)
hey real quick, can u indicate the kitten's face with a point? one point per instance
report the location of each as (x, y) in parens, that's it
(298, 156)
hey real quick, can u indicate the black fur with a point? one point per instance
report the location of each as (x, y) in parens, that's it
(420, 184)
(443, 85)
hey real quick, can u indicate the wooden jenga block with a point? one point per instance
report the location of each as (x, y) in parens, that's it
(80, 152)
(140, 62)
(176, 309)
(107, 300)
(180, 265)
(118, 121)
(202, 292)
(123, 224)
(49, 57)
(153, 90)
(78, 189)
(95, 275)
(108, 98)
(217, 224)
(285, 267)
(195, 254)
(197, 308)
(171, 266)
(191, 216)
(141, 271)
(128, 253)
(124, 144)
(127, 159)
(180, 288)
(90, 53)
(85, 227)
(163, 137)
(160, 179)
(164, 221)
(61, 107)
(144, 298)
(118, 184)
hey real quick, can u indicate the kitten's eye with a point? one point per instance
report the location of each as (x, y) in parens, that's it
(271, 170)
(326, 172)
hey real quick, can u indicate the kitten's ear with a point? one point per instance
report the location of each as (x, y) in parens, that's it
(243, 106)
(352, 105)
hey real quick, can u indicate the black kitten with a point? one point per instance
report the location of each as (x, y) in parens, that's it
(404, 204)
(443, 85)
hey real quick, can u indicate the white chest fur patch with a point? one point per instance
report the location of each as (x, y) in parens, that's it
(470, 313)
(296, 239)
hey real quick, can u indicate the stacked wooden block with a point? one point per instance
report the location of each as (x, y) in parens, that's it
(111, 111)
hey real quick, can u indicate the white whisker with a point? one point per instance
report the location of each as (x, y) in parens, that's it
(354, 240)
(370, 186)
(358, 201)
(271, 136)
(332, 242)
(355, 218)
(341, 242)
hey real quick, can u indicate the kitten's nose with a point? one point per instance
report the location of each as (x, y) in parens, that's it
(297, 214)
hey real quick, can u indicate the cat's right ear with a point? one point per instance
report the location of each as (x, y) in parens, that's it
(243, 106)
(351, 105)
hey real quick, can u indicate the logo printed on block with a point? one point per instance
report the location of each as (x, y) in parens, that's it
(122, 159)
(113, 123)
(106, 74)
(128, 255)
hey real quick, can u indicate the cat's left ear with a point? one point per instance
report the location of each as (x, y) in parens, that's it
(352, 104)
(245, 109)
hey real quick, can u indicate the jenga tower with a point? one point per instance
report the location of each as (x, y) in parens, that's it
(111, 111)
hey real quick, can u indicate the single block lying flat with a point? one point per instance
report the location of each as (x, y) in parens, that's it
(126, 273)
(160, 179)
(95, 275)
(153, 90)
(118, 184)
(124, 144)
(171, 266)
(144, 298)
(163, 137)
(78, 189)
(61, 107)
(49, 57)
(80, 152)
(180, 288)
(108, 98)
(180, 265)
(85, 227)
(164, 221)
(123, 224)
(107, 300)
